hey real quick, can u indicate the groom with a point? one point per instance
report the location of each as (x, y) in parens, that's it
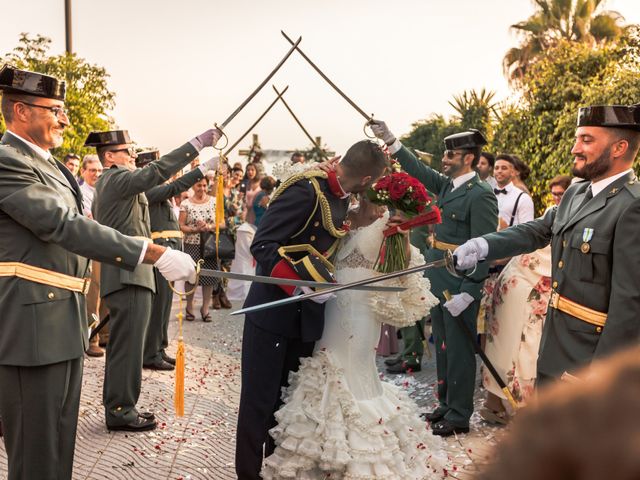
(308, 210)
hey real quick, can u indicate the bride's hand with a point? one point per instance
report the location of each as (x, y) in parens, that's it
(397, 219)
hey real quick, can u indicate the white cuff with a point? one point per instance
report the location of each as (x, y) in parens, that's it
(394, 147)
(143, 253)
(483, 248)
(196, 144)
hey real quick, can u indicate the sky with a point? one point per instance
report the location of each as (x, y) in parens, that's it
(178, 67)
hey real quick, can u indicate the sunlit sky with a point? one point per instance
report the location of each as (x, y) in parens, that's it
(179, 66)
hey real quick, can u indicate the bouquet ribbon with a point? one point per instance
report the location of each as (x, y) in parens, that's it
(431, 217)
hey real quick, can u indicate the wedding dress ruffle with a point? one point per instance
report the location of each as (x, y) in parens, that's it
(323, 431)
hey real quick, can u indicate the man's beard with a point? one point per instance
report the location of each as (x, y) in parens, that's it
(595, 169)
(453, 168)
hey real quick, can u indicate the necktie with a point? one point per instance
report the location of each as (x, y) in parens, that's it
(588, 195)
(498, 191)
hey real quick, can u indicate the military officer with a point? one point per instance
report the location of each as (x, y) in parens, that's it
(468, 207)
(164, 231)
(304, 222)
(594, 307)
(44, 247)
(121, 203)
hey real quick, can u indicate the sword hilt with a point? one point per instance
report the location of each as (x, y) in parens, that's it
(226, 139)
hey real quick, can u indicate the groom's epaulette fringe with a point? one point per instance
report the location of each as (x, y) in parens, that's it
(321, 200)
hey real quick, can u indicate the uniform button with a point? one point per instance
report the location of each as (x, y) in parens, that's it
(598, 329)
(555, 285)
(316, 224)
(560, 264)
(118, 259)
(453, 215)
(312, 238)
(188, 154)
(564, 243)
(50, 295)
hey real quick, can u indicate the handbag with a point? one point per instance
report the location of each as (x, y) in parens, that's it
(226, 246)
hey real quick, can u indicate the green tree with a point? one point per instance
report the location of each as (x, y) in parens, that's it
(475, 110)
(428, 135)
(88, 97)
(583, 21)
(541, 127)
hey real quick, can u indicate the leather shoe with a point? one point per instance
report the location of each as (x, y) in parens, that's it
(167, 358)
(159, 365)
(433, 417)
(392, 361)
(140, 424)
(403, 367)
(94, 351)
(444, 428)
(147, 415)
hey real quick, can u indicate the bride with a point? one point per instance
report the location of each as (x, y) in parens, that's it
(339, 421)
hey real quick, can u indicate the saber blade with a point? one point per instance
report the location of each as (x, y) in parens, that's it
(446, 262)
(327, 79)
(289, 281)
(264, 82)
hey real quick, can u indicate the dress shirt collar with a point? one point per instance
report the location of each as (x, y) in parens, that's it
(44, 154)
(462, 179)
(597, 187)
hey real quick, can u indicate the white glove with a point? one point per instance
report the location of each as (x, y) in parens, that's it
(210, 164)
(380, 130)
(320, 298)
(206, 139)
(458, 303)
(176, 265)
(470, 253)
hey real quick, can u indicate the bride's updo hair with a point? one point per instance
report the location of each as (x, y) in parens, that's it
(364, 158)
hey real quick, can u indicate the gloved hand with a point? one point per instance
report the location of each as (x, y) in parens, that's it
(206, 139)
(458, 303)
(470, 253)
(211, 164)
(176, 265)
(380, 130)
(320, 298)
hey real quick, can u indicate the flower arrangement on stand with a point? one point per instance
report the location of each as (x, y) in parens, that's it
(401, 192)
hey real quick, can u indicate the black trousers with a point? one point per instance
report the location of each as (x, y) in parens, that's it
(267, 359)
(39, 410)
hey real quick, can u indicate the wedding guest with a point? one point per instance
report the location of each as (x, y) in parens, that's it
(485, 168)
(521, 174)
(557, 186)
(261, 200)
(72, 162)
(252, 189)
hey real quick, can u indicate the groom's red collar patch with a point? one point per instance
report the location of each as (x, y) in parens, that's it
(334, 185)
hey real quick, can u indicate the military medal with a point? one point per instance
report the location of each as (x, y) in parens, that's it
(587, 235)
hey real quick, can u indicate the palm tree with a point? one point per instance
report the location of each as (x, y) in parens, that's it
(555, 20)
(475, 109)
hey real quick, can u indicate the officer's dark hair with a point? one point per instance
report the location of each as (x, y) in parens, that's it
(364, 158)
(491, 159)
(9, 99)
(101, 151)
(632, 138)
(476, 155)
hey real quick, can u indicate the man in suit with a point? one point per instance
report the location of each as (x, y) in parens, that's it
(121, 204)
(165, 231)
(44, 247)
(468, 207)
(305, 218)
(594, 307)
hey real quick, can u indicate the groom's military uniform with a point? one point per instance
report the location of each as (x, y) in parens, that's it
(121, 203)
(305, 216)
(466, 210)
(594, 304)
(44, 274)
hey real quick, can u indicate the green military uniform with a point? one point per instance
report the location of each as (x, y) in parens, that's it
(120, 203)
(594, 306)
(44, 247)
(468, 209)
(165, 231)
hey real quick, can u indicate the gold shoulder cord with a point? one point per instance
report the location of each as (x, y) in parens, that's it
(327, 218)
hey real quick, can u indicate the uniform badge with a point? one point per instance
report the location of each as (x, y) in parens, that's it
(587, 235)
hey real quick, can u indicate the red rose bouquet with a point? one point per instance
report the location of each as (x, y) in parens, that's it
(401, 192)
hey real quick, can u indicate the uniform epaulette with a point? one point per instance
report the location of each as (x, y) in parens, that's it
(634, 187)
(321, 200)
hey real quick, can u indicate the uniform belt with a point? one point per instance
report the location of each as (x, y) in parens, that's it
(166, 234)
(44, 276)
(574, 309)
(437, 244)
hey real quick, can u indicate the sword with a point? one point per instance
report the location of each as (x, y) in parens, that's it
(333, 85)
(264, 82)
(100, 325)
(205, 272)
(448, 262)
(249, 130)
(284, 102)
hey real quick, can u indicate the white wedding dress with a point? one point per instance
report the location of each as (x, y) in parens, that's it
(339, 420)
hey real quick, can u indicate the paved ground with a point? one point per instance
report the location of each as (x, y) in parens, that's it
(201, 444)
